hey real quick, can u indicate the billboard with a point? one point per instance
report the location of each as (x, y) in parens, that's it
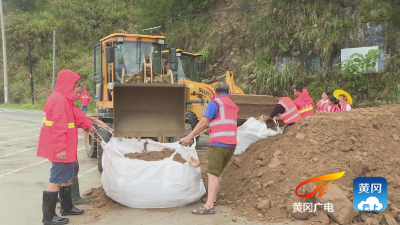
(347, 52)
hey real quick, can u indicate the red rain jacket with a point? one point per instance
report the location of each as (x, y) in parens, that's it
(85, 98)
(304, 104)
(60, 117)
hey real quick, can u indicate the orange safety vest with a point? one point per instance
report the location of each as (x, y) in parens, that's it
(322, 106)
(223, 129)
(291, 114)
(344, 106)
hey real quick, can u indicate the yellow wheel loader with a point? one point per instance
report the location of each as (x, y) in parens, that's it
(142, 92)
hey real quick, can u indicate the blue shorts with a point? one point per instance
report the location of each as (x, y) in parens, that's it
(84, 107)
(61, 172)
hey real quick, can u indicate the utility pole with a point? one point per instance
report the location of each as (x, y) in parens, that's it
(54, 58)
(30, 67)
(3, 36)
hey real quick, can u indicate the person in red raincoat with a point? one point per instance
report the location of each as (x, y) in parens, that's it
(85, 99)
(303, 101)
(58, 143)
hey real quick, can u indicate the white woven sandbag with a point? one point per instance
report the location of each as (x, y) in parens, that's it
(249, 132)
(150, 184)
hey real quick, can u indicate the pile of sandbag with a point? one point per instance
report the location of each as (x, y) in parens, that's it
(150, 184)
(249, 132)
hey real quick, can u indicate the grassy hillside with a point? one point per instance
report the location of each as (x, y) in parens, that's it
(250, 36)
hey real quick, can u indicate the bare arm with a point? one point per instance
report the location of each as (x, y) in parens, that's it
(199, 128)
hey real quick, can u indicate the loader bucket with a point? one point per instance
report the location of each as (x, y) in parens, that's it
(253, 106)
(149, 110)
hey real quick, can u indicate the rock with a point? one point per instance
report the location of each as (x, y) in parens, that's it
(343, 211)
(234, 219)
(358, 167)
(264, 204)
(376, 126)
(346, 148)
(259, 199)
(395, 137)
(372, 221)
(277, 153)
(256, 186)
(393, 213)
(353, 139)
(387, 220)
(323, 218)
(312, 141)
(237, 162)
(299, 136)
(315, 159)
(395, 209)
(265, 185)
(260, 174)
(261, 157)
(260, 215)
(274, 163)
(336, 143)
(258, 163)
(364, 216)
(296, 215)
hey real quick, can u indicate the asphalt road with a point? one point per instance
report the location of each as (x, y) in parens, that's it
(23, 177)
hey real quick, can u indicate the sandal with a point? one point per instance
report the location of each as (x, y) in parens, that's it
(203, 211)
(205, 201)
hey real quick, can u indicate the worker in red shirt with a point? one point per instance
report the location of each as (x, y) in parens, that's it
(85, 99)
(303, 101)
(58, 142)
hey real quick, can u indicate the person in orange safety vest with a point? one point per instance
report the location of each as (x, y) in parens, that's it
(303, 101)
(221, 118)
(285, 108)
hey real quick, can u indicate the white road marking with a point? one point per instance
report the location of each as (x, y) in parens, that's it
(19, 139)
(16, 171)
(89, 171)
(35, 164)
(17, 152)
(19, 131)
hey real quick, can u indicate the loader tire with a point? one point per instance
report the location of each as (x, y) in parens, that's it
(90, 146)
(192, 119)
(106, 137)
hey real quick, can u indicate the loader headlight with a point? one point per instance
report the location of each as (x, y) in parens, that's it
(161, 41)
(120, 40)
(110, 86)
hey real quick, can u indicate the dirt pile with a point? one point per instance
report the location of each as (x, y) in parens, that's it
(156, 155)
(99, 204)
(260, 184)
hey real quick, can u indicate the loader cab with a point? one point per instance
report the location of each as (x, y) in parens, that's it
(123, 52)
(188, 64)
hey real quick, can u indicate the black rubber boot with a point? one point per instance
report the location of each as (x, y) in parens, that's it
(49, 209)
(67, 208)
(76, 196)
